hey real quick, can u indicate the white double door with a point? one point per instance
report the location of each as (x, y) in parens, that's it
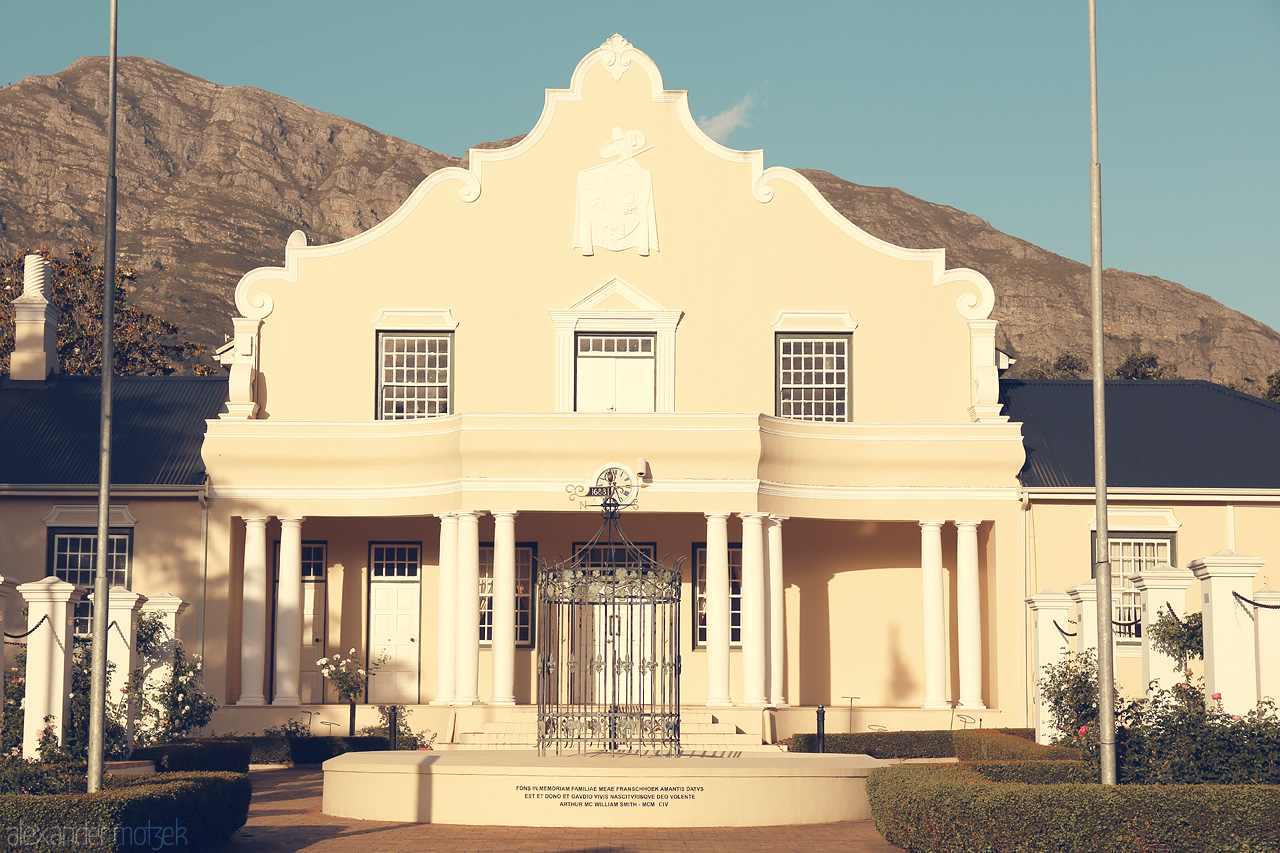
(395, 621)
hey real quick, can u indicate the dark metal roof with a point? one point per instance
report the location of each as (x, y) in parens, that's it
(1161, 434)
(49, 430)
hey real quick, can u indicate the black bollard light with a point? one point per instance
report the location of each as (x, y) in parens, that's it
(393, 724)
(822, 729)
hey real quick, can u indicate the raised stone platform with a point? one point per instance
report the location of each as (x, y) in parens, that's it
(519, 788)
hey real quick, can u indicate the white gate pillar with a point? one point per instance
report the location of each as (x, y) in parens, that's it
(1266, 617)
(504, 609)
(1160, 587)
(777, 614)
(1085, 595)
(1049, 610)
(755, 648)
(49, 601)
(253, 629)
(932, 615)
(288, 651)
(123, 607)
(447, 611)
(969, 615)
(1230, 662)
(717, 603)
(467, 674)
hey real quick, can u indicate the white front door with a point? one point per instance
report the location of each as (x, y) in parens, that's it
(393, 631)
(313, 645)
(615, 373)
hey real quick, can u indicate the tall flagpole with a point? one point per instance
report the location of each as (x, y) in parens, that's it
(101, 613)
(1102, 545)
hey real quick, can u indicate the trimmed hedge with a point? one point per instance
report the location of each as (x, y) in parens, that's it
(272, 749)
(1035, 772)
(953, 809)
(922, 744)
(211, 755)
(132, 813)
(993, 745)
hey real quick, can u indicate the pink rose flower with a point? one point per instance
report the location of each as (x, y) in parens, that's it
(1216, 696)
(1235, 717)
(1084, 730)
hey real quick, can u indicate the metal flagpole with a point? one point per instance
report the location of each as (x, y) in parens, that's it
(1102, 546)
(98, 690)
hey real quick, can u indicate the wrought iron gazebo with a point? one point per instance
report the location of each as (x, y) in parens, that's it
(609, 647)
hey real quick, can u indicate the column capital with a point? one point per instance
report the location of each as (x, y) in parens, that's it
(468, 514)
(717, 517)
(292, 520)
(753, 517)
(1163, 577)
(1087, 591)
(934, 524)
(165, 602)
(50, 589)
(119, 598)
(255, 520)
(967, 523)
(504, 513)
(778, 519)
(451, 515)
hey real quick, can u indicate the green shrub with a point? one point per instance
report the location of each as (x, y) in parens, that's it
(991, 745)
(182, 809)
(210, 755)
(299, 750)
(1034, 772)
(926, 744)
(953, 809)
(27, 776)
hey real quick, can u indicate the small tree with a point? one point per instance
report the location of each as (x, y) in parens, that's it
(1181, 639)
(1066, 366)
(1143, 365)
(349, 678)
(1272, 391)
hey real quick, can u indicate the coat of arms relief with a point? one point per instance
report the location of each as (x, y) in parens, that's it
(615, 199)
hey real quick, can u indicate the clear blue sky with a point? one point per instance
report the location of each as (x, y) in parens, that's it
(982, 105)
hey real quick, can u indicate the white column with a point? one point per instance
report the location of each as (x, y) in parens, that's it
(755, 639)
(1049, 610)
(253, 628)
(933, 608)
(123, 607)
(1085, 595)
(7, 586)
(1160, 588)
(969, 615)
(467, 674)
(447, 611)
(717, 599)
(777, 614)
(1267, 621)
(504, 609)
(1230, 665)
(289, 614)
(48, 674)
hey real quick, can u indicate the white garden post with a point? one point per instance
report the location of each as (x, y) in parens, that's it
(1267, 621)
(123, 607)
(1160, 587)
(50, 605)
(1230, 659)
(1049, 610)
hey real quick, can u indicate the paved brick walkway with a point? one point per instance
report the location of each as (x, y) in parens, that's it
(285, 816)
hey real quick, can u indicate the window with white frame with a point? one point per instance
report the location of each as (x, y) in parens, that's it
(390, 561)
(524, 594)
(73, 557)
(1131, 553)
(615, 373)
(813, 377)
(415, 374)
(735, 594)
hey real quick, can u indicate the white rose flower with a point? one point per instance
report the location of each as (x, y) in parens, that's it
(362, 672)
(353, 651)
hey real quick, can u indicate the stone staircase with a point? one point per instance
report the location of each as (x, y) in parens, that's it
(516, 728)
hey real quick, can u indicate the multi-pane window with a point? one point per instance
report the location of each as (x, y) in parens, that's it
(313, 561)
(74, 559)
(735, 594)
(1131, 554)
(615, 373)
(415, 374)
(524, 594)
(395, 560)
(813, 377)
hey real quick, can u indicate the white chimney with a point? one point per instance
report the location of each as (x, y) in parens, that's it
(35, 336)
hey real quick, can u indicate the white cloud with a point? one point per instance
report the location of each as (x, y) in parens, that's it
(719, 127)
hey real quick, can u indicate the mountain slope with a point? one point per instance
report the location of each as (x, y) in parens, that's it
(212, 179)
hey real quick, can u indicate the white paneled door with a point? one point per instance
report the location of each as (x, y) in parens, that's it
(615, 373)
(394, 622)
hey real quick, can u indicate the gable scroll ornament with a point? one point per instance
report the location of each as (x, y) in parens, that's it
(615, 200)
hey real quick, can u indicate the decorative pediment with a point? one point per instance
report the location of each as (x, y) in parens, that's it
(615, 294)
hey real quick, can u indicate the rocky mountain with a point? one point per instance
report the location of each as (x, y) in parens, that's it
(212, 179)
